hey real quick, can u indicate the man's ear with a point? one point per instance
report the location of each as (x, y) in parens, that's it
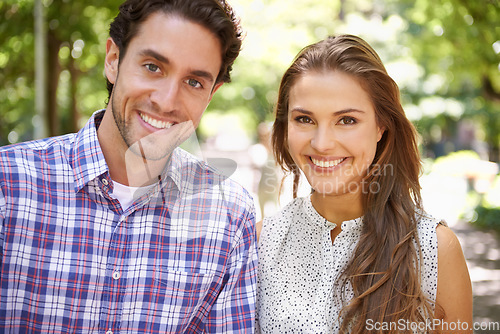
(111, 60)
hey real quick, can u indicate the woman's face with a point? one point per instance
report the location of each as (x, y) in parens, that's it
(332, 132)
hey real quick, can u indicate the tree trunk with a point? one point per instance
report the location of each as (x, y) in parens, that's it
(342, 11)
(40, 126)
(53, 81)
(74, 112)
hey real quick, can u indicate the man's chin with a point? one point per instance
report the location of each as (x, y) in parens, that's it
(160, 144)
(148, 151)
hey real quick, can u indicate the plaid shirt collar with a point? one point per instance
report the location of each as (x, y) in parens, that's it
(88, 161)
(86, 156)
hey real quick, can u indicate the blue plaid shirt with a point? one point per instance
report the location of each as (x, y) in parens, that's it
(181, 259)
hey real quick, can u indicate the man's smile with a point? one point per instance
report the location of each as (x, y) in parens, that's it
(155, 122)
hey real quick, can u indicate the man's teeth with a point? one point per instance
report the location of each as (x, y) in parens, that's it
(326, 163)
(156, 123)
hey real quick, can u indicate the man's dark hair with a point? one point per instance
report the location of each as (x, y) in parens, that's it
(215, 15)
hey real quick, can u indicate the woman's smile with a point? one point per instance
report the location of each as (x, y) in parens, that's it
(332, 130)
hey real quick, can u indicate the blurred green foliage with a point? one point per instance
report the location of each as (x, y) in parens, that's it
(76, 37)
(457, 44)
(487, 217)
(487, 212)
(444, 54)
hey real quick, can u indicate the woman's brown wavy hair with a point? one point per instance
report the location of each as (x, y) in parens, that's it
(383, 270)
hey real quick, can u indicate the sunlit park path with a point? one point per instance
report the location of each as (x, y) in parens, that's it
(445, 196)
(481, 250)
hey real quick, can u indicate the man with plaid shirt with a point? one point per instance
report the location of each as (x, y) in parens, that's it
(115, 229)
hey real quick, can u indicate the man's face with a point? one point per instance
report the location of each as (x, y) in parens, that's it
(163, 84)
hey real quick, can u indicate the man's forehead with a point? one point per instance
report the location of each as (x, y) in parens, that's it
(171, 34)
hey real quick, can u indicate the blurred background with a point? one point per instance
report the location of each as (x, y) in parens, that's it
(444, 55)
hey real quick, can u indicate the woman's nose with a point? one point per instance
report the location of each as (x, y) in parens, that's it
(323, 139)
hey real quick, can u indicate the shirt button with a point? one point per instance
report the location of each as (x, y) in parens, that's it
(109, 332)
(116, 275)
(105, 182)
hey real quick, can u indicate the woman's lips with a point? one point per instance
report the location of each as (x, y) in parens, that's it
(326, 163)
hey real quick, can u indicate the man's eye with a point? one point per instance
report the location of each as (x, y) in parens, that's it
(152, 67)
(194, 83)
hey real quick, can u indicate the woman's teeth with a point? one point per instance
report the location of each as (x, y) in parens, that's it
(326, 163)
(156, 123)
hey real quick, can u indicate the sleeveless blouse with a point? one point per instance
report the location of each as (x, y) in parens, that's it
(299, 267)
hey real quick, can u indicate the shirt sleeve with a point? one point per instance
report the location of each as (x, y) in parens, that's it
(3, 213)
(234, 310)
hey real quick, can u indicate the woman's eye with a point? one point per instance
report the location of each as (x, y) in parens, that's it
(152, 67)
(303, 119)
(194, 83)
(346, 120)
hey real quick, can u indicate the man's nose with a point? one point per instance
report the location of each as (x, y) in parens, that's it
(166, 95)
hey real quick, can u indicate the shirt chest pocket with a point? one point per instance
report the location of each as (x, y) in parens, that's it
(171, 298)
(185, 284)
(183, 294)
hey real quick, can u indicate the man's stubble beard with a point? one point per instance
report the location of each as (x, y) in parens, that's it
(155, 146)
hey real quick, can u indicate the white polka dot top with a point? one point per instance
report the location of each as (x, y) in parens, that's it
(299, 267)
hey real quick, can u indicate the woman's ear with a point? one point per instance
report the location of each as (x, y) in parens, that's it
(111, 60)
(380, 133)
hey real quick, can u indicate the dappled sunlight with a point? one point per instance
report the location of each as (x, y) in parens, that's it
(449, 181)
(447, 186)
(444, 196)
(442, 54)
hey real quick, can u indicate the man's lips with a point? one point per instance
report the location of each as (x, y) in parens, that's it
(158, 124)
(326, 163)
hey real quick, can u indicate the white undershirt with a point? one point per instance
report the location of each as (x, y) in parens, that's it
(126, 195)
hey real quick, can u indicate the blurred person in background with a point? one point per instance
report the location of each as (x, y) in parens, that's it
(359, 252)
(268, 172)
(115, 228)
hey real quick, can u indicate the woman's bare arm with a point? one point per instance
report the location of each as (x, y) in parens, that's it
(454, 290)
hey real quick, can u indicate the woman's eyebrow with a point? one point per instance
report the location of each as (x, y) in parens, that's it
(336, 113)
(301, 110)
(348, 110)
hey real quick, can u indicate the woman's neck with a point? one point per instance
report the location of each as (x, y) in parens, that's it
(338, 208)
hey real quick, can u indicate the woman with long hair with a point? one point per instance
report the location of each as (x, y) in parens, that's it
(359, 254)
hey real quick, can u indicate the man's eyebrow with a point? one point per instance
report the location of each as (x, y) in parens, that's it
(204, 74)
(154, 54)
(198, 73)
